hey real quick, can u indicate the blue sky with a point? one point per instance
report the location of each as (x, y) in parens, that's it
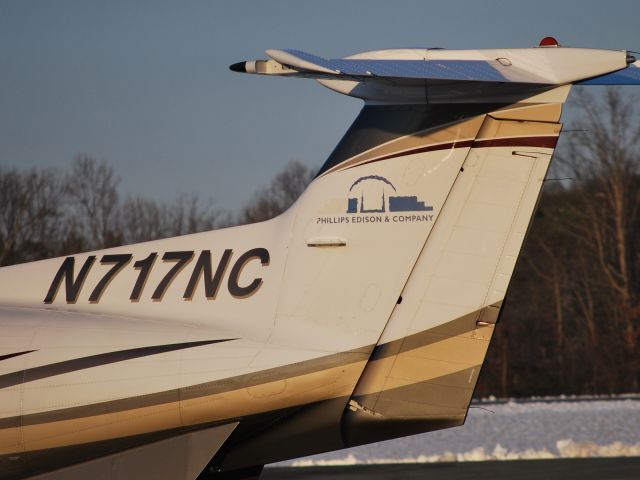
(146, 86)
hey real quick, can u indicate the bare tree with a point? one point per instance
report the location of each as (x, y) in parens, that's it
(91, 188)
(606, 213)
(29, 215)
(144, 219)
(572, 320)
(284, 189)
(187, 214)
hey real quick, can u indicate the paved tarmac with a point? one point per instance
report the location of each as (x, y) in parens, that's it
(562, 469)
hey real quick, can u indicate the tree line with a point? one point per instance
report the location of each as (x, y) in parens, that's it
(46, 212)
(571, 321)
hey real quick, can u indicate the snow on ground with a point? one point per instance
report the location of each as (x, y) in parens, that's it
(509, 430)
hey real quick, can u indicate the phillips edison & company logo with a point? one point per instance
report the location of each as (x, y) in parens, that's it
(374, 199)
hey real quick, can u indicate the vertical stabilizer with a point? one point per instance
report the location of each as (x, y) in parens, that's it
(423, 371)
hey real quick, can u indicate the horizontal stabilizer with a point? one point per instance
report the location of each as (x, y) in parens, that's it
(468, 70)
(451, 76)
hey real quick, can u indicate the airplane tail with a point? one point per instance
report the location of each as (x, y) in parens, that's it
(362, 313)
(442, 171)
(404, 246)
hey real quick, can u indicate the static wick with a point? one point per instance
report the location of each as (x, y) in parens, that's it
(482, 408)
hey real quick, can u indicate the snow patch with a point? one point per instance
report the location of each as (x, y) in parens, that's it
(509, 429)
(571, 449)
(567, 449)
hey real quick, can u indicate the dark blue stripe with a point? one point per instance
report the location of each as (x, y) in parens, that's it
(470, 70)
(626, 76)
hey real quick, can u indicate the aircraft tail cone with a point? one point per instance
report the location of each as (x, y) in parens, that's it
(239, 67)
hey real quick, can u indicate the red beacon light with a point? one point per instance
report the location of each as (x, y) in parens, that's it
(549, 42)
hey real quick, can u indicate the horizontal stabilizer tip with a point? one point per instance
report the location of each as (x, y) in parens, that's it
(239, 67)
